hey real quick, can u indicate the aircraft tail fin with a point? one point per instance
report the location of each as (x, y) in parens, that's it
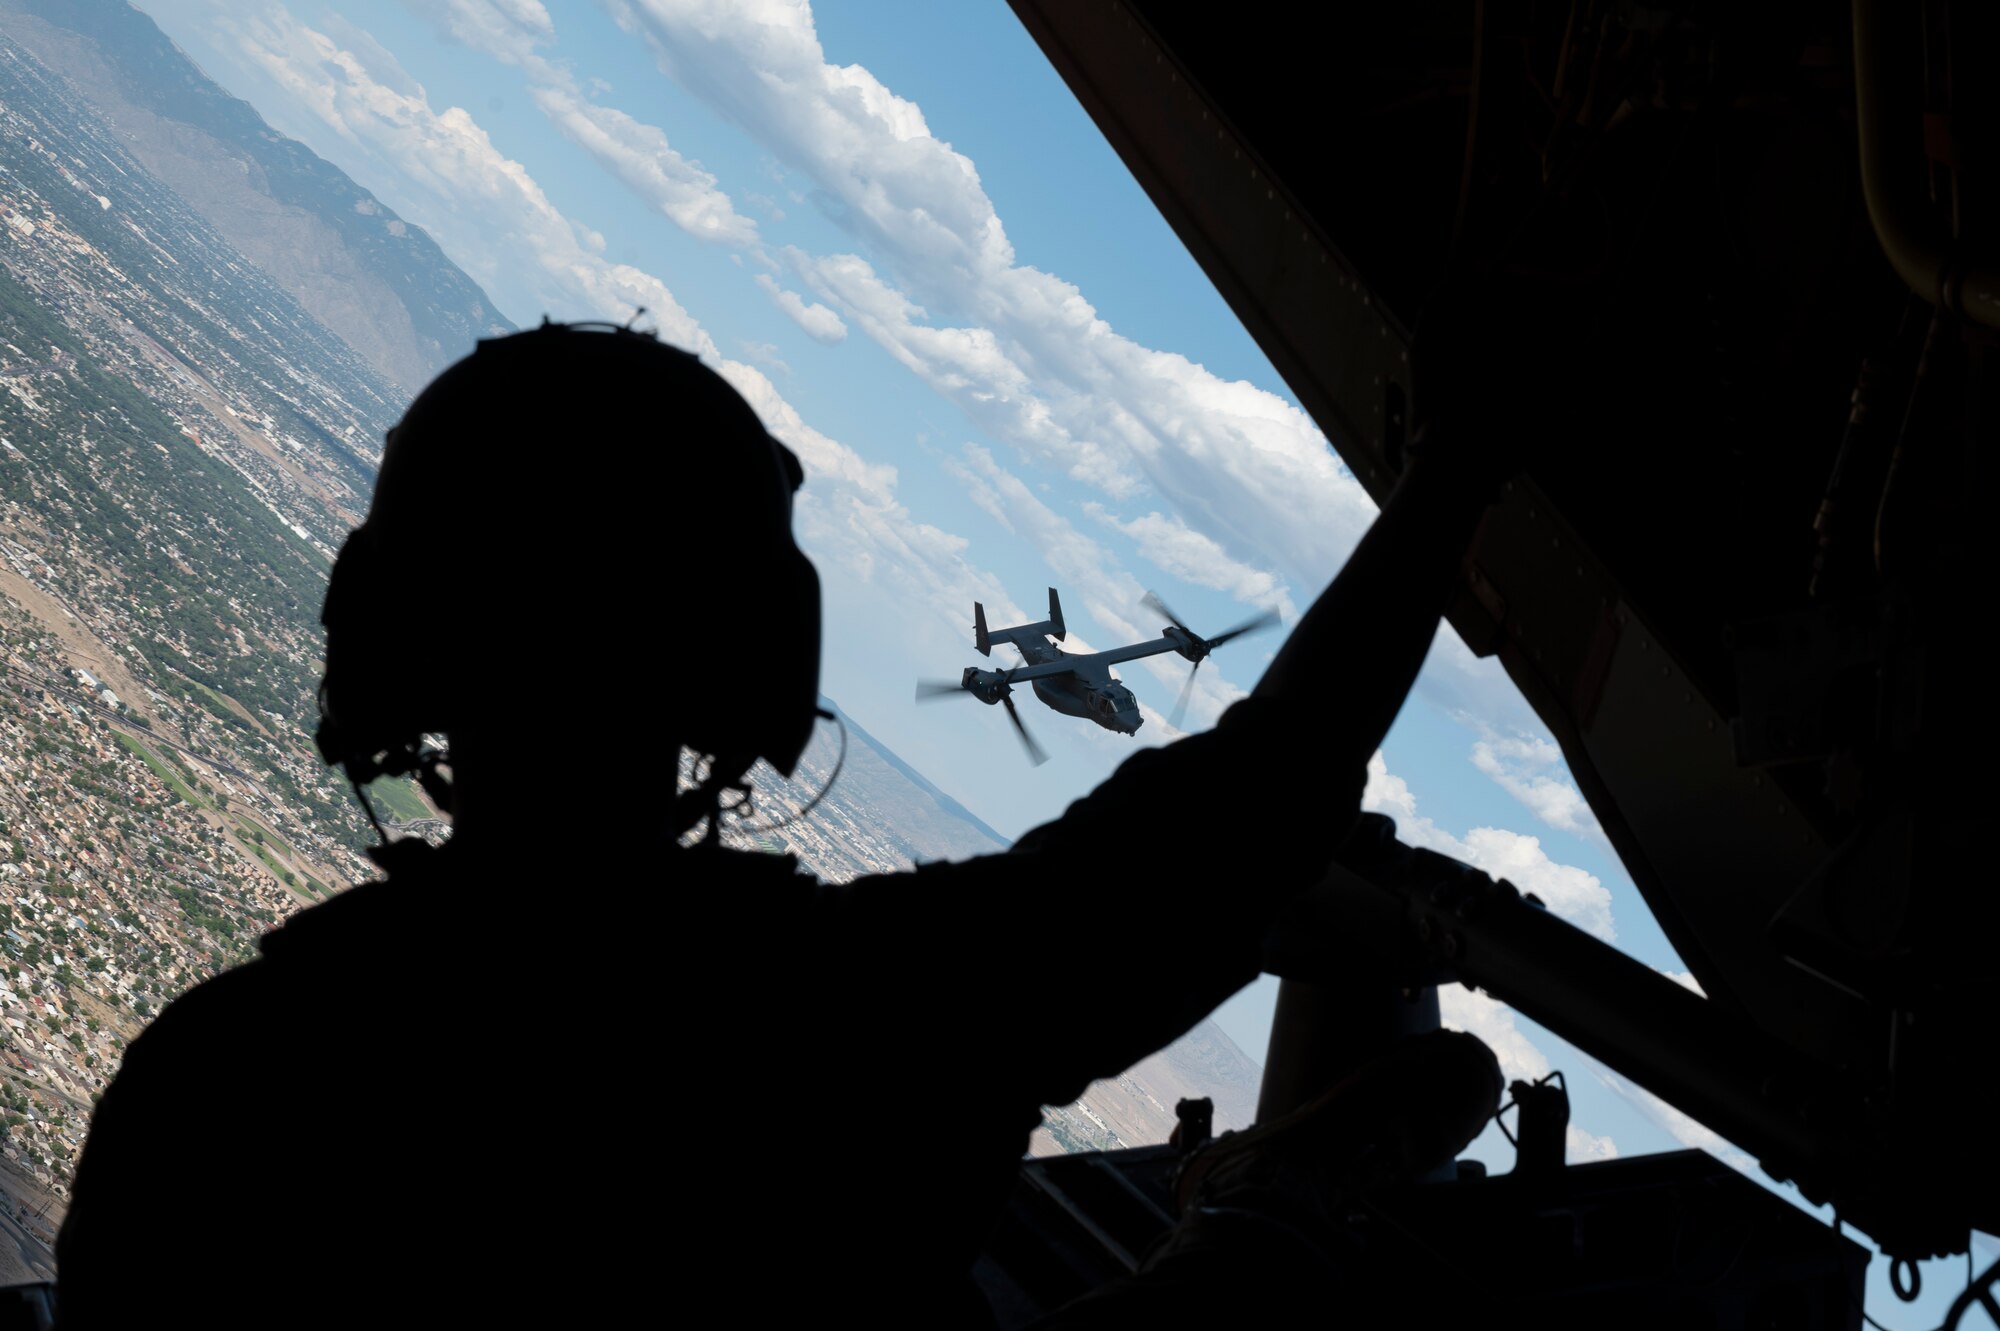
(1030, 638)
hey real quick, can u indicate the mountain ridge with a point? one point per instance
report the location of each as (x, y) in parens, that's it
(379, 283)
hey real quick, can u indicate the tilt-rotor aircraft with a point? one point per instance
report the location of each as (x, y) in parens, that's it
(1079, 684)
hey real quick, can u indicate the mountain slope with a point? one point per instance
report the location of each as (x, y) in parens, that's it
(381, 284)
(945, 803)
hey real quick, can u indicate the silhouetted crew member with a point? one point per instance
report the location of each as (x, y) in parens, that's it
(564, 1071)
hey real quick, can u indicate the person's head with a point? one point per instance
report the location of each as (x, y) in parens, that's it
(579, 545)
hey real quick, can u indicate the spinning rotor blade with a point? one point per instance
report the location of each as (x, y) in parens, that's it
(934, 690)
(1199, 648)
(1187, 691)
(1256, 625)
(1153, 603)
(1036, 754)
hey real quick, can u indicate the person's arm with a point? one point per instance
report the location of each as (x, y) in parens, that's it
(1350, 661)
(1146, 903)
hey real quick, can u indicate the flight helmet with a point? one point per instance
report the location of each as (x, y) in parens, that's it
(577, 530)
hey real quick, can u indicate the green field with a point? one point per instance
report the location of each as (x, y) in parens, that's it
(213, 696)
(215, 704)
(396, 797)
(161, 770)
(247, 836)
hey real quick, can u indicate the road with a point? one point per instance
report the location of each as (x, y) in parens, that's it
(59, 685)
(25, 1255)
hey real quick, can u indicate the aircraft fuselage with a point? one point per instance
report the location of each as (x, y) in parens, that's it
(1086, 693)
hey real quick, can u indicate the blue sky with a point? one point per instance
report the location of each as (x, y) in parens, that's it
(891, 226)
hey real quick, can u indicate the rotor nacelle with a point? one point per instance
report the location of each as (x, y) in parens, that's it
(1187, 644)
(989, 686)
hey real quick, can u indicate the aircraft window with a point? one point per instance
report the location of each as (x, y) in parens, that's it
(184, 449)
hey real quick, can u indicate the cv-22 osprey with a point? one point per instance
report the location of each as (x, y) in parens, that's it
(1078, 684)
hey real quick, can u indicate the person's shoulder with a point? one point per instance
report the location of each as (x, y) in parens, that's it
(927, 883)
(724, 888)
(972, 866)
(719, 868)
(342, 913)
(203, 1036)
(781, 870)
(428, 895)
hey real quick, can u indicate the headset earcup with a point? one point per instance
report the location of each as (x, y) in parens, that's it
(368, 697)
(773, 629)
(465, 490)
(799, 660)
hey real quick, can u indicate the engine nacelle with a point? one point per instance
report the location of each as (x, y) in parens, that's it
(1187, 644)
(989, 686)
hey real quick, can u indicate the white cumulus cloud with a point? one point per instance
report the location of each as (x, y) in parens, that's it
(639, 155)
(766, 355)
(512, 31)
(1530, 768)
(1168, 542)
(1584, 1147)
(820, 324)
(1020, 350)
(1570, 892)
(528, 14)
(508, 29)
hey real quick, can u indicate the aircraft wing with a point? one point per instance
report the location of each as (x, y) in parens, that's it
(1046, 670)
(1137, 650)
(1091, 663)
